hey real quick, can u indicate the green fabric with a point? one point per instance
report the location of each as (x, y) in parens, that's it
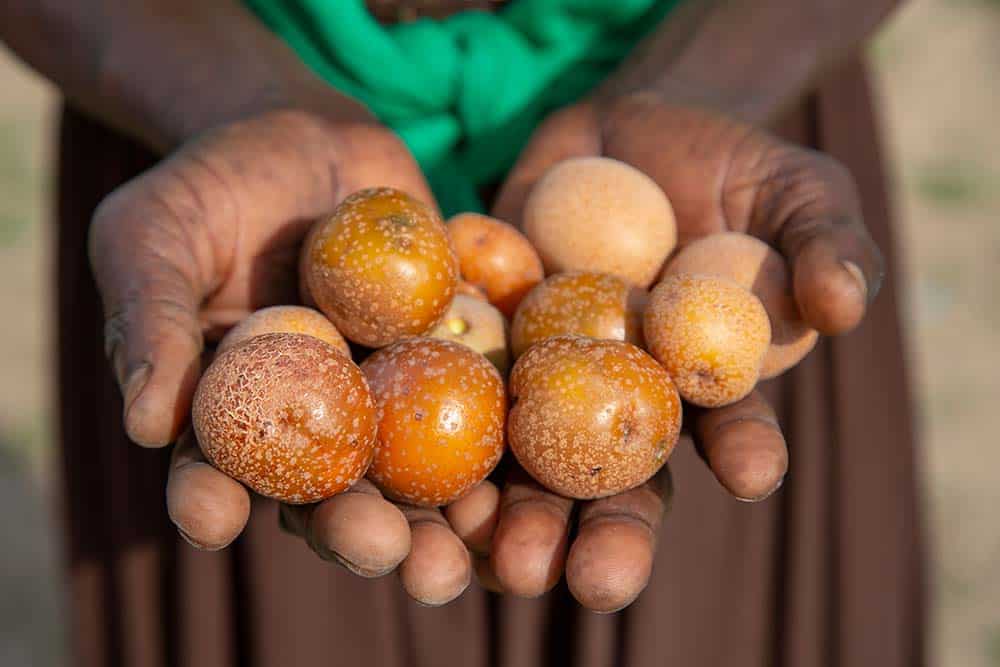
(464, 92)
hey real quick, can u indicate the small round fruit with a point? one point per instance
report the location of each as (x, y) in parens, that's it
(288, 415)
(598, 214)
(597, 305)
(285, 319)
(468, 289)
(380, 267)
(756, 266)
(591, 418)
(477, 325)
(496, 257)
(441, 409)
(710, 334)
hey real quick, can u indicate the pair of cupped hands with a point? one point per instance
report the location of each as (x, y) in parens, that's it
(212, 233)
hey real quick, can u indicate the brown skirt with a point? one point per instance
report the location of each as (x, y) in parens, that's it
(826, 572)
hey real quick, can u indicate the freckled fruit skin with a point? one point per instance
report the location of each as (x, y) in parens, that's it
(710, 334)
(597, 305)
(441, 409)
(288, 415)
(496, 257)
(598, 214)
(591, 418)
(380, 267)
(756, 266)
(477, 325)
(285, 319)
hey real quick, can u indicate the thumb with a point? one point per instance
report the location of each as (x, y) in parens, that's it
(568, 133)
(836, 267)
(146, 272)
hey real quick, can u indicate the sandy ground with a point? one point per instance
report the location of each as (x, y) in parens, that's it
(937, 69)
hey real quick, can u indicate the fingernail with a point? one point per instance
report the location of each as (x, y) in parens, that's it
(763, 497)
(135, 383)
(368, 573)
(197, 545)
(859, 277)
(131, 392)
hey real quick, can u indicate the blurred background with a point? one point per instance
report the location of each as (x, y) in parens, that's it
(937, 67)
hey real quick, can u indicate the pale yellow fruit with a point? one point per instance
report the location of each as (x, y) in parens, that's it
(710, 334)
(598, 214)
(756, 266)
(478, 325)
(285, 319)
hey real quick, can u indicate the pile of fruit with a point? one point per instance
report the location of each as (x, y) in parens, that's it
(475, 335)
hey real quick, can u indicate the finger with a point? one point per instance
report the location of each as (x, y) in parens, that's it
(438, 568)
(744, 447)
(836, 267)
(528, 552)
(612, 556)
(209, 508)
(474, 516)
(359, 529)
(566, 134)
(149, 283)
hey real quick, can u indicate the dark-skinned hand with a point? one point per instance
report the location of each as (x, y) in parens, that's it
(719, 174)
(212, 233)
(189, 248)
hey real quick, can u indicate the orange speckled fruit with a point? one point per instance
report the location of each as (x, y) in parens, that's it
(288, 415)
(380, 267)
(710, 334)
(285, 319)
(441, 409)
(597, 305)
(759, 268)
(591, 418)
(495, 256)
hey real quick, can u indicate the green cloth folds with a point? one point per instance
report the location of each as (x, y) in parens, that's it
(464, 92)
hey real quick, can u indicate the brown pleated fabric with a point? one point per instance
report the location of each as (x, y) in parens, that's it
(827, 572)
